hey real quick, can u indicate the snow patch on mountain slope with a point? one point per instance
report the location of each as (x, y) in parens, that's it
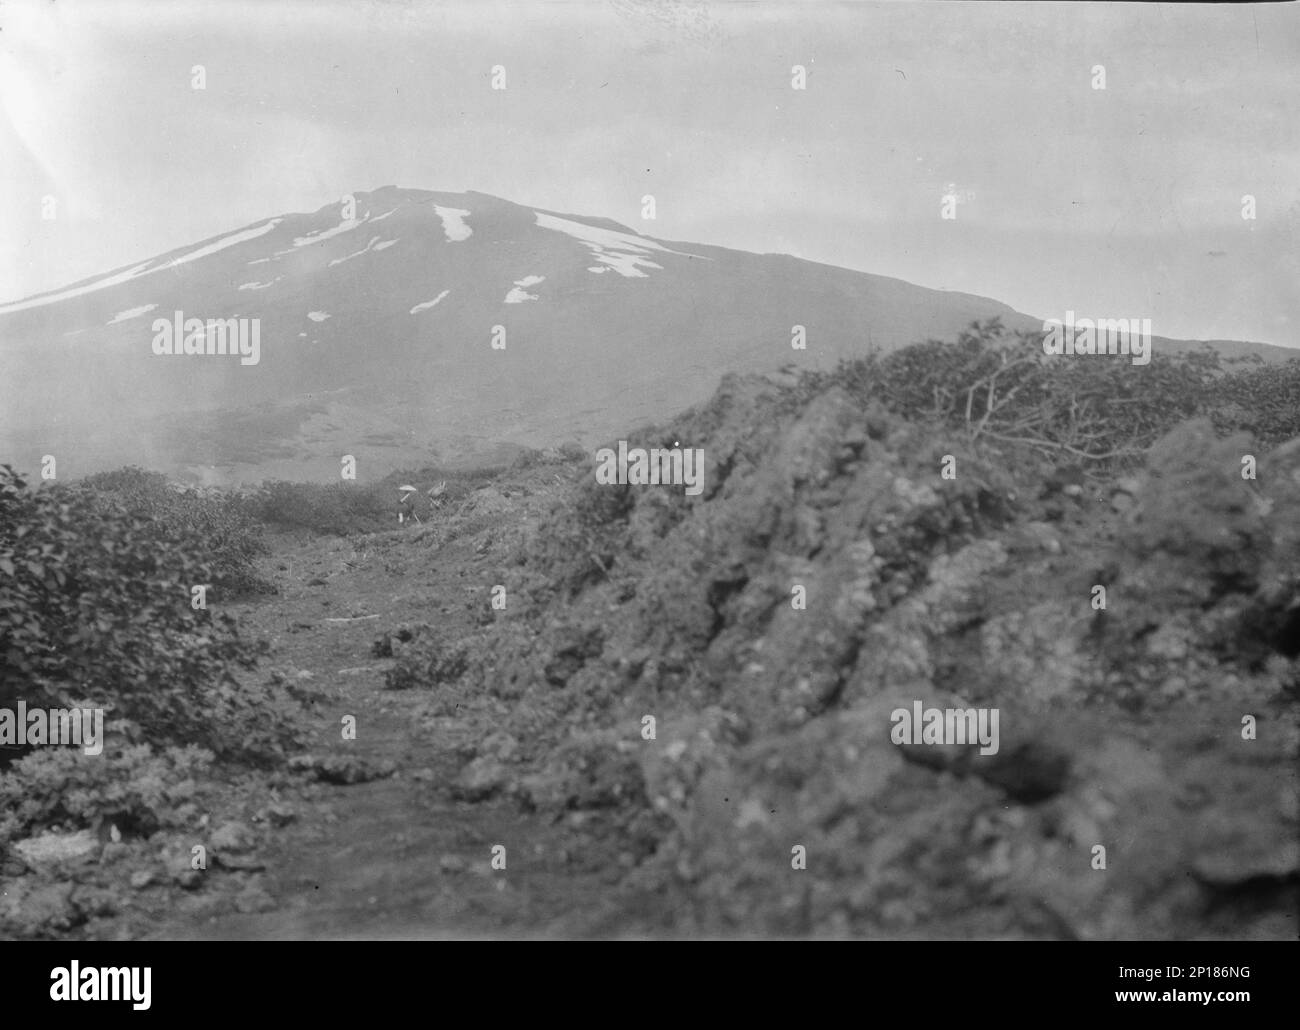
(520, 294)
(98, 284)
(141, 270)
(321, 235)
(356, 253)
(610, 239)
(129, 313)
(221, 243)
(385, 245)
(429, 303)
(260, 286)
(318, 316)
(627, 265)
(453, 223)
(620, 251)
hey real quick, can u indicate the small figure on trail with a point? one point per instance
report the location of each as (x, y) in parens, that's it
(410, 501)
(406, 506)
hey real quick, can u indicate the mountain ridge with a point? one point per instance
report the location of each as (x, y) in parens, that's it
(381, 328)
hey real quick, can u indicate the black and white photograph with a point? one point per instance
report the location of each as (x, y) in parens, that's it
(650, 470)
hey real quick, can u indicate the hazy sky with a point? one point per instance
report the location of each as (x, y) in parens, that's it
(1123, 202)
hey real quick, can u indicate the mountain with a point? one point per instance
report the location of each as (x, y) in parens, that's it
(376, 324)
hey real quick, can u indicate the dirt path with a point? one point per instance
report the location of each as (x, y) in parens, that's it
(396, 856)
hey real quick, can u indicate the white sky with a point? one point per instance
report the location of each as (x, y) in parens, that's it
(1117, 203)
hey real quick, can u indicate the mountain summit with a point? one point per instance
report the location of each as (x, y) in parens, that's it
(407, 326)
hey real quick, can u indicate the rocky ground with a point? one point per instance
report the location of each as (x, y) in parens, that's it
(655, 738)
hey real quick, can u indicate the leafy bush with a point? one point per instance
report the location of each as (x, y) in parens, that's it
(335, 509)
(571, 452)
(133, 788)
(233, 537)
(95, 604)
(1264, 401)
(528, 458)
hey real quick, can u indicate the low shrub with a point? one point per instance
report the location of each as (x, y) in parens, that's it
(232, 536)
(424, 656)
(999, 388)
(335, 509)
(96, 605)
(135, 789)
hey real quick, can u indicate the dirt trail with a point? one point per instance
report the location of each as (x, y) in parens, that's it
(396, 856)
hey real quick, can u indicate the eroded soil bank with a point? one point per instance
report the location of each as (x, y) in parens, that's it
(679, 721)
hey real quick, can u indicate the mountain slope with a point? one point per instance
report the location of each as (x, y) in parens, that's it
(376, 337)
